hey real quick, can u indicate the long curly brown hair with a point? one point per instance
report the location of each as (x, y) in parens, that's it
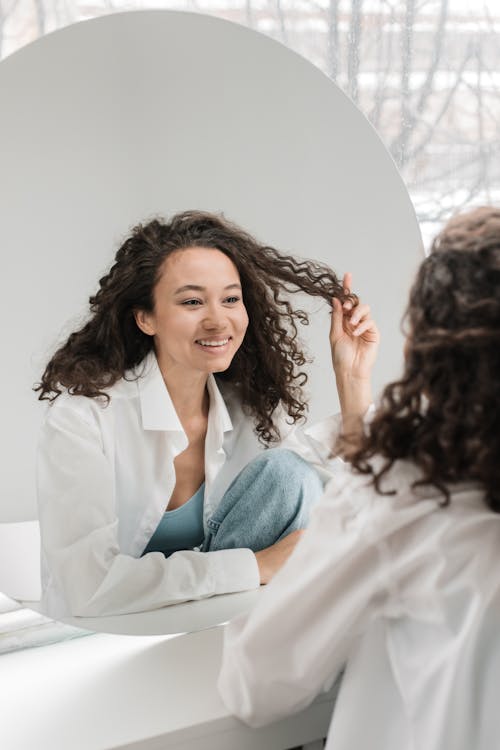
(266, 367)
(444, 413)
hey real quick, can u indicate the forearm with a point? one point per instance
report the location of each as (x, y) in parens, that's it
(355, 396)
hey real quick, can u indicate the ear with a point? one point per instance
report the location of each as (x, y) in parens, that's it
(144, 321)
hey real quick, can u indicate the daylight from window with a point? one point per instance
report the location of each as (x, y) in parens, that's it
(426, 73)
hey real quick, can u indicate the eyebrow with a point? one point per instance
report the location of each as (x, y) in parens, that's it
(196, 288)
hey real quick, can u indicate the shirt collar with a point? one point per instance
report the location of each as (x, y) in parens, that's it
(157, 409)
(218, 406)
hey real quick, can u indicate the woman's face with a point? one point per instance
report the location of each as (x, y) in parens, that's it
(199, 319)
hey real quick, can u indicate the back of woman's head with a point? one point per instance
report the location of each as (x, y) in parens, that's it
(455, 300)
(444, 413)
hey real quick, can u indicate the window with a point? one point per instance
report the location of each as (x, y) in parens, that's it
(426, 73)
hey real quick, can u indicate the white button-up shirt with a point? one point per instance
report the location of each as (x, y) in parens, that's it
(105, 476)
(408, 593)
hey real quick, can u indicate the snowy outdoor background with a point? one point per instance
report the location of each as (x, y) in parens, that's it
(426, 73)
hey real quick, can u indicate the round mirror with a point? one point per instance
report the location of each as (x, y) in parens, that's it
(110, 122)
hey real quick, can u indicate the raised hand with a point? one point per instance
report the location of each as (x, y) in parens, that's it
(354, 337)
(354, 341)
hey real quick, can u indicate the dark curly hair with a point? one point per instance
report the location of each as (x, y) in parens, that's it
(265, 368)
(444, 413)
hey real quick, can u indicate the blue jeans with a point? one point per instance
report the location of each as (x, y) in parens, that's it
(269, 498)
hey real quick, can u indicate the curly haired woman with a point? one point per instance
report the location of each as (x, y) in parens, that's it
(153, 485)
(397, 573)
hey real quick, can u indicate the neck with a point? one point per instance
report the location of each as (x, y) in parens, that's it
(188, 393)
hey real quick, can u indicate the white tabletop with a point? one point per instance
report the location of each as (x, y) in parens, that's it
(177, 618)
(111, 692)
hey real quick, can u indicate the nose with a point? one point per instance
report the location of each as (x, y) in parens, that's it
(214, 318)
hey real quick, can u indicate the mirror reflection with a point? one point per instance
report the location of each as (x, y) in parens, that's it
(153, 487)
(200, 380)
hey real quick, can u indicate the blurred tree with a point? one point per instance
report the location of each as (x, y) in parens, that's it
(7, 10)
(424, 72)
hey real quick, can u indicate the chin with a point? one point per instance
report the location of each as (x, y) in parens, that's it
(221, 366)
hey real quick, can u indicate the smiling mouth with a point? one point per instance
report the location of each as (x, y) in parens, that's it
(213, 343)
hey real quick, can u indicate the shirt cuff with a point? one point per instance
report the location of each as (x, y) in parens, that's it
(234, 570)
(323, 435)
(326, 432)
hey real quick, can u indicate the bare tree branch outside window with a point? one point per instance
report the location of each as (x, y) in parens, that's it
(425, 72)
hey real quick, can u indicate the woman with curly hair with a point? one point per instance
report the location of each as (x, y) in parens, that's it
(153, 485)
(397, 573)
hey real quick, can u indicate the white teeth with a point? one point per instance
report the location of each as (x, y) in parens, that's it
(209, 342)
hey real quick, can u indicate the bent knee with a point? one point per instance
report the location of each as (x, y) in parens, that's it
(287, 466)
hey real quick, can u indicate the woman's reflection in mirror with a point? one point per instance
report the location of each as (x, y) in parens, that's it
(171, 463)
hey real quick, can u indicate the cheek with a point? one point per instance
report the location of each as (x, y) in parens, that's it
(243, 321)
(176, 322)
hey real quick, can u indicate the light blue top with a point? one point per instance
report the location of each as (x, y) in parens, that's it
(181, 528)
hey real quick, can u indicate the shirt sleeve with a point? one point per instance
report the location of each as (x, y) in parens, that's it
(79, 536)
(278, 658)
(317, 443)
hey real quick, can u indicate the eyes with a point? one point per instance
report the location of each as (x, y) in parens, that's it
(193, 302)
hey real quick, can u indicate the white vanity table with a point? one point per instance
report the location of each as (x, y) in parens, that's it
(135, 692)
(177, 618)
(116, 692)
